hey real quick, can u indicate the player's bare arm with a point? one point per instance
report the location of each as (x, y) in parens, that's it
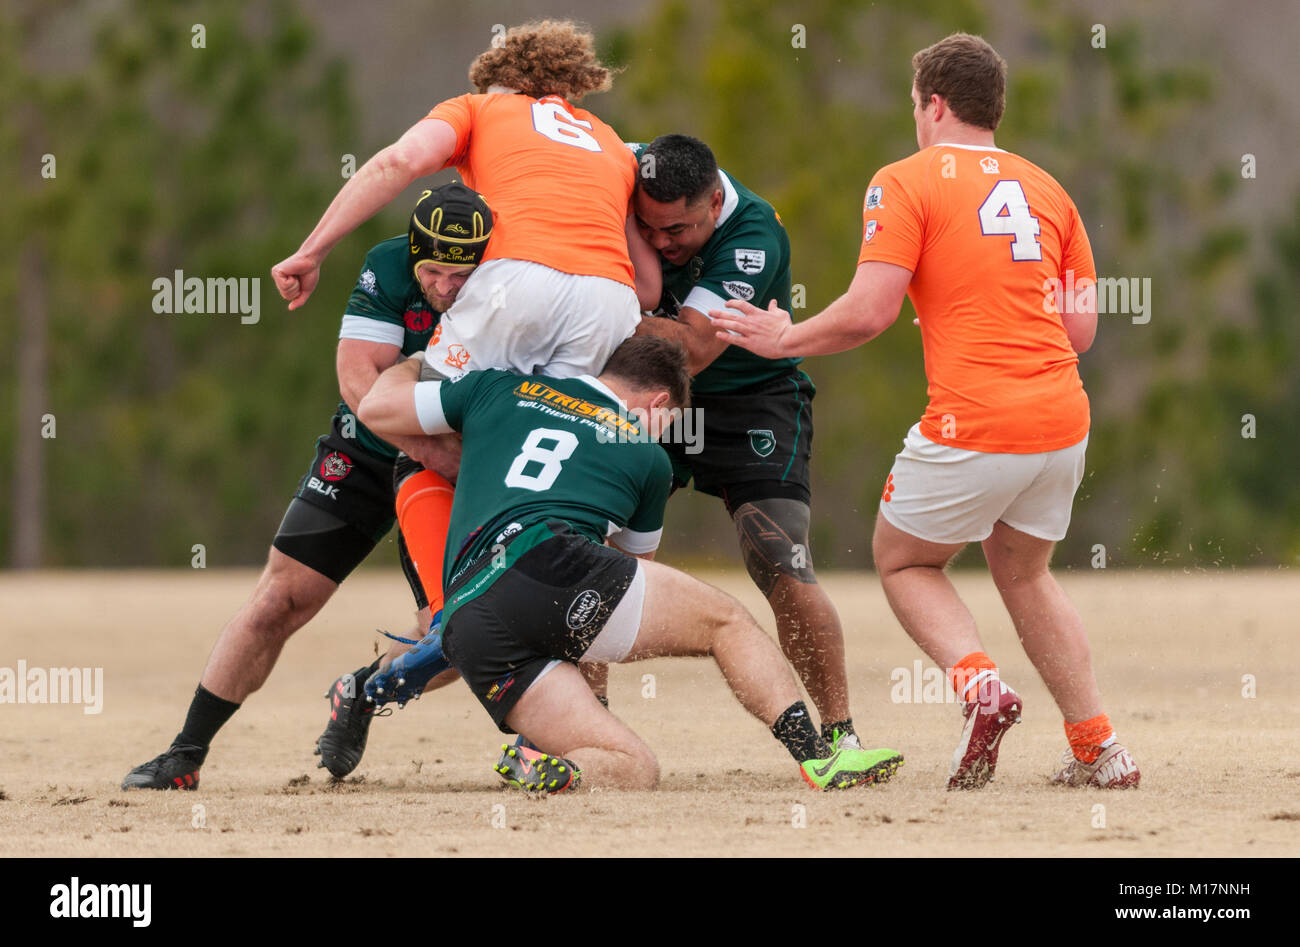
(649, 277)
(694, 332)
(423, 149)
(359, 363)
(388, 408)
(868, 308)
(1078, 308)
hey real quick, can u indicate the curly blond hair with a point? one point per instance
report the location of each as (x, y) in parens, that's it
(544, 57)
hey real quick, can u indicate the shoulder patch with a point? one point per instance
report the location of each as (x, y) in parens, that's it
(874, 194)
(738, 289)
(367, 281)
(869, 230)
(750, 262)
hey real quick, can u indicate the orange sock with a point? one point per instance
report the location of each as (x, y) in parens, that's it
(424, 516)
(970, 670)
(1089, 737)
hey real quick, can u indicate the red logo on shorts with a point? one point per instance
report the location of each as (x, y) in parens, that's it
(457, 356)
(889, 489)
(417, 320)
(437, 334)
(335, 466)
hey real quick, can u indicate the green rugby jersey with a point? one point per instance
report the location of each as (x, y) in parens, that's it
(539, 449)
(386, 306)
(747, 257)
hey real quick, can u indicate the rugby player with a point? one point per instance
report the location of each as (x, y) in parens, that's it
(997, 263)
(344, 504)
(552, 468)
(718, 240)
(566, 274)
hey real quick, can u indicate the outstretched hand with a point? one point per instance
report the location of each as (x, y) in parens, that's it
(762, 331)
(296, 278)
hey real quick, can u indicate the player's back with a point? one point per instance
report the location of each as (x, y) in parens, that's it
(558, 180)
(538, 448)
(986, 233)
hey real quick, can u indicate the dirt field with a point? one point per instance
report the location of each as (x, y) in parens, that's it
(1221, 771)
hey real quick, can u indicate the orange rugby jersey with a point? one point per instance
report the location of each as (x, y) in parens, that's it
(558, 180)
(982, 231)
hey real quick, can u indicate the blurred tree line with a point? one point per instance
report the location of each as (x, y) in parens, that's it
(172, 430)
(804, 109)
(210, 153)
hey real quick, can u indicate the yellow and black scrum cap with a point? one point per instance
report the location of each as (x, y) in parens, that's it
(450, 226)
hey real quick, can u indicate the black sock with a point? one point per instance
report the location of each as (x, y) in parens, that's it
(844, 726)
(795, 731)
(208, 714)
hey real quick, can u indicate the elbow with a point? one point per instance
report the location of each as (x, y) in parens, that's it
(350, 399)
(648, 297)
(649, 284)
(872, 324)
(1081, 332)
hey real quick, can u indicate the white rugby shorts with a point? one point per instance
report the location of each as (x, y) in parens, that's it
(945, 494)
(530, 319)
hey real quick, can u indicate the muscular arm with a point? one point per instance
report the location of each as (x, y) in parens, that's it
(388, 408)
(645, 262)
(694, 332)
(867, 308)
(423, 149)
(359, 365)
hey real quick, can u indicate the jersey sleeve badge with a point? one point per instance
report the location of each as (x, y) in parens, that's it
(738, 289)
(874, 195)
(750, 262)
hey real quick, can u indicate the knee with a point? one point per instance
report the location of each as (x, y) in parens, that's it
(727, 614)
(643, 773)
(774, 541)
(282, 605)
(1008, 569)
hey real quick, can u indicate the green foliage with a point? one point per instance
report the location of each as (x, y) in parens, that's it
(1170, 478)
(178, 429)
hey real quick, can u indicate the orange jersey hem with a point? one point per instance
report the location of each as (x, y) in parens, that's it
(930, 431)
